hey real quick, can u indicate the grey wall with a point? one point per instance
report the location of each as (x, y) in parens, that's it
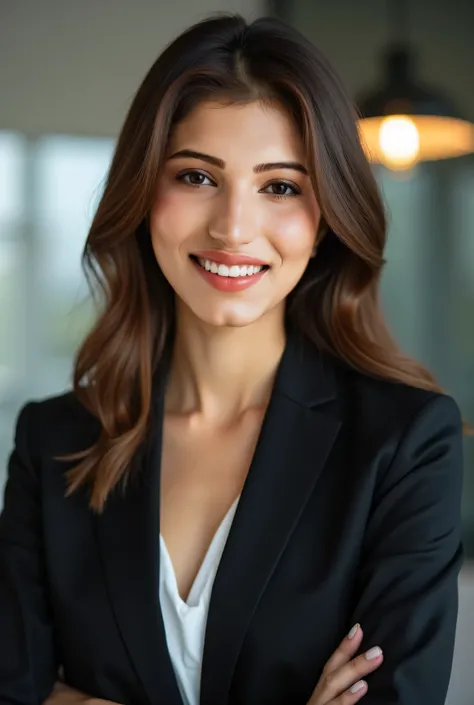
(69, 66)
(352, 34)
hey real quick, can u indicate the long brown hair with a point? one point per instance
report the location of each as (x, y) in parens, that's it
(336, 303)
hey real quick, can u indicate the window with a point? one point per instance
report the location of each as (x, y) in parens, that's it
(49, 189)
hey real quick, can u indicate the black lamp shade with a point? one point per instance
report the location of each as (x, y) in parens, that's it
(442, 131)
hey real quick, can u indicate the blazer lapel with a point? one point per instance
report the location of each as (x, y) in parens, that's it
(294, 443)
(128, 535)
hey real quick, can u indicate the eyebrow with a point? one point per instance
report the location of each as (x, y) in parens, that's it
(220, 163)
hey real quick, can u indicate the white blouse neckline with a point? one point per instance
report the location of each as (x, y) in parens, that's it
(204, 572)
(185, 622)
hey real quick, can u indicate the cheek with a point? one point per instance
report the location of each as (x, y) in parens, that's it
(294, 234)
(169, 221)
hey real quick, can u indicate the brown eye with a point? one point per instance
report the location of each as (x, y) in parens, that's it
(195, 178)
(279, 189)
(282, 189)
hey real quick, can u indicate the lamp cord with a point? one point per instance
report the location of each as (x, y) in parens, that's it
(398, 21)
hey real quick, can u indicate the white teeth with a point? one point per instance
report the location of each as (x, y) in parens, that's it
(223, 270)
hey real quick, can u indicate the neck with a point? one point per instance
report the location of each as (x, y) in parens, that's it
(219, 373)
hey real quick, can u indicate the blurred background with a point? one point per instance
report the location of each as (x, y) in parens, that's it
(68, 71)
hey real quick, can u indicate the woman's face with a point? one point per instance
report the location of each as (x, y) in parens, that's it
(235, 217)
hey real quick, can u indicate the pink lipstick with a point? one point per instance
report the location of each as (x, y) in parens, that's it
(229, 272)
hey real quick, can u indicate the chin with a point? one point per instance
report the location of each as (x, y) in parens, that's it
(227, 316)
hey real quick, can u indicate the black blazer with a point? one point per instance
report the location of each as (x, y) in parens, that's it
(350, 513)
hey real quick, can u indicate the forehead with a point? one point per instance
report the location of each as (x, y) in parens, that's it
(254, 132)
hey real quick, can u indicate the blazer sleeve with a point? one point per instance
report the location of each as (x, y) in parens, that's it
(28, 665)
(406, 592)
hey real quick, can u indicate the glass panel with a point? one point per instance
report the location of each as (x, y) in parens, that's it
(428, 284)
(12, 148)
(12, 322)
(12, 215)
(70, 174)
(462, 235)
(10, 319)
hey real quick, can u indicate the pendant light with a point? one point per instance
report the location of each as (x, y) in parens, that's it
(405, 121)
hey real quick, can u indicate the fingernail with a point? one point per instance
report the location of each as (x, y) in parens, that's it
(357, 686)
(353, 631)
(373, 653)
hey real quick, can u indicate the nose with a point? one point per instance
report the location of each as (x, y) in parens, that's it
(234, 220)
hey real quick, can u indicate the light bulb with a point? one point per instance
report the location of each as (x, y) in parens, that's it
(399, 142)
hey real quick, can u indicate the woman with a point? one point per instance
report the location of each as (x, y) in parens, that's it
(241, 420)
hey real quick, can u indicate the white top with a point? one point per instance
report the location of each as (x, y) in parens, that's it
(185, 622)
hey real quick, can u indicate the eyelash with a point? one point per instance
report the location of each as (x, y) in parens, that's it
(296, 190)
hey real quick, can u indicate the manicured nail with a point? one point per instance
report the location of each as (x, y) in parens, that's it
(373, 653)
(357, 686)
(353, 631)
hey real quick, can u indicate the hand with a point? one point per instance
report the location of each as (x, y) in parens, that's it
(62, 694)
(340, 682)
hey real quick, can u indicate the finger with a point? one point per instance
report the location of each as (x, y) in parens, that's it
(351, 696)
(346, 649)
(61, 688)
(348, 675)
(61, 694)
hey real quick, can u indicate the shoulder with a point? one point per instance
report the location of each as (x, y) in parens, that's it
(63, 409)
(404, 427)
(361, 402)
(409, 443)
(55, 424)
(382, 403)
(400, 428)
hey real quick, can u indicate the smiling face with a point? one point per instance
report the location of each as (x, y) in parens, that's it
(235, 217)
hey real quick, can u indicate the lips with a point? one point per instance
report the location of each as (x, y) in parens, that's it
(229, 273)
(228, 258)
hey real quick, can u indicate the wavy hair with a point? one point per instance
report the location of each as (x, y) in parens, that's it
(336, 303)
